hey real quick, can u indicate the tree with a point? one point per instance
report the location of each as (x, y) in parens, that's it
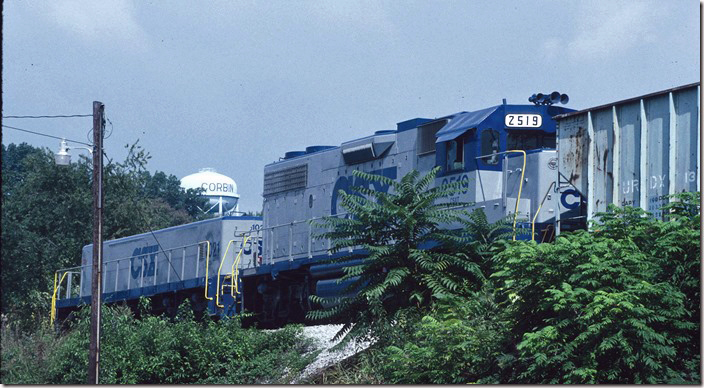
(136, 201)
(410, 259)
(47, 216)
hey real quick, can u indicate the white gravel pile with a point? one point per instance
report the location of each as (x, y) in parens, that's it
(323, 334)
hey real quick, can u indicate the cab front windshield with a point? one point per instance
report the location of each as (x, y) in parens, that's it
(529, 140)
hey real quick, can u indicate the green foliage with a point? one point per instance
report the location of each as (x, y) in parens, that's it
(611, 306)
(483, 234)
(41, 206)
(485, 239)
(47, 217)
(458, 342)
(619, 304)
(411, 260)
(26, 356)
(155, 350)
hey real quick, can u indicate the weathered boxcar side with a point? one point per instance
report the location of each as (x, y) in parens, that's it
(633, 152)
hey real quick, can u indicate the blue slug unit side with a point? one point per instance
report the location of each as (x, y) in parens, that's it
(171, 264)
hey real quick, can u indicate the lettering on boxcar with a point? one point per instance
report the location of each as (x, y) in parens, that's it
(630, 186)
(657, 181)
(570, 193)
(690, 176)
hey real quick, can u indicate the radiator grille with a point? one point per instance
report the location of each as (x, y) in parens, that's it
(292, 178)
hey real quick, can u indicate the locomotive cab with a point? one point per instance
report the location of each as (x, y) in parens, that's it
(499, 155)
(483, 140)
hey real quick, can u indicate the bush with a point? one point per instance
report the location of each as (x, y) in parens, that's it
(411, 258)
(459, 342)
(25, 357)
(155, 350)
(618, 304)
(611, 306)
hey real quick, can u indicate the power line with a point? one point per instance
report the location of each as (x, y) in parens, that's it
(104, 127)
(151, 231)
(45, 117)
(168, 259)
(44, 134)
(111, 128)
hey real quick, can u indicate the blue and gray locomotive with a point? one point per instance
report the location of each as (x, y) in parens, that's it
(495, 153)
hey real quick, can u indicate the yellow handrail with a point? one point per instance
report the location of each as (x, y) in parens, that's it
(53, 297)
(236, 263)
(217, 289)
(207, 259)
(532, 229)
(520, 188)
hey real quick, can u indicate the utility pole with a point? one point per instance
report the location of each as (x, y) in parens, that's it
(96, 274)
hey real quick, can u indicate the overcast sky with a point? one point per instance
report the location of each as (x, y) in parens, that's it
(233, 85)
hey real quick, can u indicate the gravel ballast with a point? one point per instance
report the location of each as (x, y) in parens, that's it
(322, 336)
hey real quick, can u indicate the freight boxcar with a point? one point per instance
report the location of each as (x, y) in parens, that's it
(633, 152)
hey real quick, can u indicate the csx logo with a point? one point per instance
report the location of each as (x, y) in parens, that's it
(247, 249)
(146, 257)
(345, 183)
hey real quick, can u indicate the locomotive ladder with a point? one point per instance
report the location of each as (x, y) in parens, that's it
(520, 185)
(232, 276)
(57, 286)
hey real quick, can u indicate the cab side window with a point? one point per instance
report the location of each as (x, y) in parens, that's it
(455, 154)
(490, 145)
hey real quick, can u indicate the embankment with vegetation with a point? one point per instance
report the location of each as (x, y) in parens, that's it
(619, 303)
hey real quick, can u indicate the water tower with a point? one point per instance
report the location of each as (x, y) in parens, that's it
(220, 190)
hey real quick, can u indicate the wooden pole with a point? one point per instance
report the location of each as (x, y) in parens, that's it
(94, 351)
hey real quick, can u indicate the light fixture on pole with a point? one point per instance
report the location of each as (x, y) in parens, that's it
(63, 157)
